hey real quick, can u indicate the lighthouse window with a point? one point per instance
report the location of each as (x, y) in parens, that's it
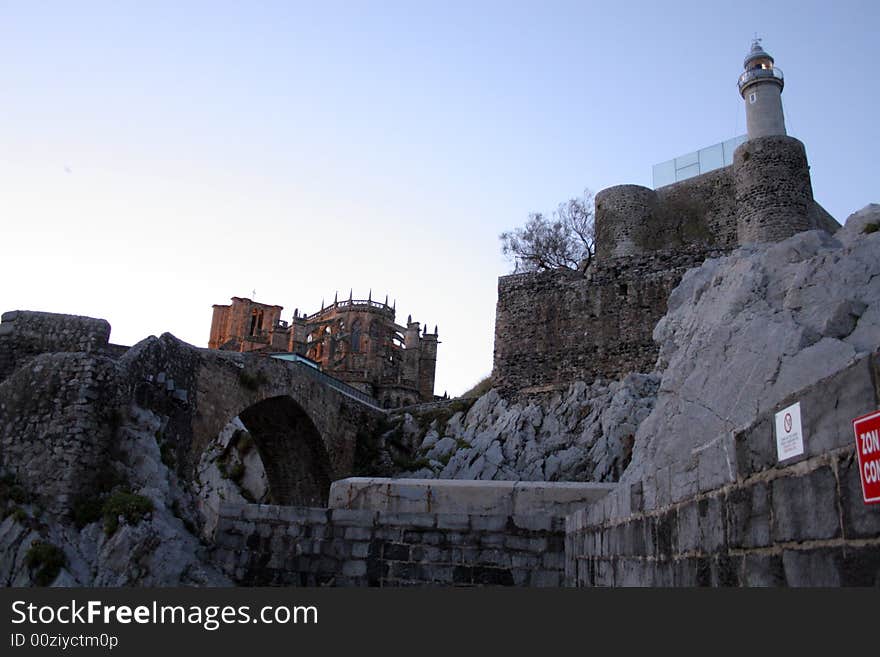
(753, 97)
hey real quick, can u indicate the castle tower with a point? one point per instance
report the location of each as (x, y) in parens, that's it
(428, 365)
(772, 187)
(760, 85)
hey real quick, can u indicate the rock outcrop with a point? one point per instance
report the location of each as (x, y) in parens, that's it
(747, 330)
(141, 530)
(582, 434)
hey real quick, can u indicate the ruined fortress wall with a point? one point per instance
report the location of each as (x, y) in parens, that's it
(26, 334)
(732, 515)
(297, 546)
(552, 328)
(56, 424)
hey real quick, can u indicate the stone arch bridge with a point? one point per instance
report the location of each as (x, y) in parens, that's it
(65, 392)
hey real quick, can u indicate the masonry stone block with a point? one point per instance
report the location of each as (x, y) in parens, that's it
(688, 525)
(546, 578)
(494, 557)
(495, 539)
(805, 507)
(553, 560)
(358, 533)
(488, 523)
(453, 521)
(713, 524)
(819, 567)
(396, 552)
(465, 555)
(353, 517)
(860, 520)
(407, 519)
(354, 568)
(360, 549)
(533, 522)
(762, 570)
(748, 514)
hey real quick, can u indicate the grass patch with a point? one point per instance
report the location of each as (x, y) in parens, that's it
(89, 507)
(12, 491)
(871, 228)
(124, 503)
(45, 561)
(480, 389)
(443, 414)
(410, 464)
(235, 472)
(244, 442)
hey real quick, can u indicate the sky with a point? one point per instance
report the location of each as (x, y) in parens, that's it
(157, 158)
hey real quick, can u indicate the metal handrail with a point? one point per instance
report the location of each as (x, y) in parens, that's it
(757, 73)
(341, 386)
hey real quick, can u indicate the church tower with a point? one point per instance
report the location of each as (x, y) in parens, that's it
(760, 85)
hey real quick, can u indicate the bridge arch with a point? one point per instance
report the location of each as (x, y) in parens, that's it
(292, 450)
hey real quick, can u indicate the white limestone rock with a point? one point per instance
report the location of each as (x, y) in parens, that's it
(582, 434)
(749, 329)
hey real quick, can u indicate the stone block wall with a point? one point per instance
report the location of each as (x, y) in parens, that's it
(56, 424)
(25, 334)
(552, 328)
(260, 545)
(734, 516)
(632, 220)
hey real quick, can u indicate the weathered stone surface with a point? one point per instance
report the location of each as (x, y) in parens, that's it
(425, 550)
(745, 332)
(584, 433)
(495, 498)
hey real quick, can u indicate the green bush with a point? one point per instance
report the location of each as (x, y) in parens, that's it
(12, 491)
(235, 472)
(86, 509)
(45, 561)
(871, 228)
(123, 503)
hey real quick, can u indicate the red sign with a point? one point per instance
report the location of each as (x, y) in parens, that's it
(867, 431)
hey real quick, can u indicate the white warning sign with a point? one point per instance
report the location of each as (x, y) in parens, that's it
(789, 437)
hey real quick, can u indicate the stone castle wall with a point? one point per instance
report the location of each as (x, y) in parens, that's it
(734, 516)
(261, 545)
(633, 221)
(774, 195)
(555, 327)
(56, 426)
(26, 334)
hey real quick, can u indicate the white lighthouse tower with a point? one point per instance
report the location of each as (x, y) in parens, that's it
(761, 88)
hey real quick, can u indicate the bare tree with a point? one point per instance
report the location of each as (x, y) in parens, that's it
(565, 241)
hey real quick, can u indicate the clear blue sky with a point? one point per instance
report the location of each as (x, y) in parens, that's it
(159, 157)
